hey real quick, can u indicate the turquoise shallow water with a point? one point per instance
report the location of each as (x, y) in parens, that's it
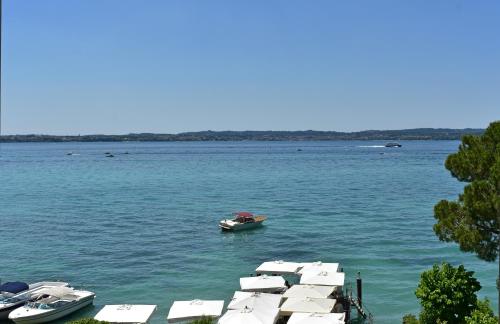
(142, 227)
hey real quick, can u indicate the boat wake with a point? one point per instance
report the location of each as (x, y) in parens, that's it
(371, 146)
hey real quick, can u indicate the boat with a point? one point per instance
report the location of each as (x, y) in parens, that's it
(241, 221)
(393, 144)
(15, 294)
(12, 296)
(52, 304)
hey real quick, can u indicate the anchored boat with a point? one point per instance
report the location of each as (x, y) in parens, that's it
(241, 221)
(52, 304)
(15, 294)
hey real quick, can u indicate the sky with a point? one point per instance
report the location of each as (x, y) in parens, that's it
(169, 66)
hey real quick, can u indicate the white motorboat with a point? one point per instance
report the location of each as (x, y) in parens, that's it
(15, 294)
(241, 221)
(51, 305)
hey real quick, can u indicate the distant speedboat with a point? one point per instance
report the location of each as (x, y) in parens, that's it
(241, 221)
(52, 304)
(15, 294)
(393, 145)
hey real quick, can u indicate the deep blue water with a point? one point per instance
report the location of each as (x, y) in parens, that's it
(142, 227)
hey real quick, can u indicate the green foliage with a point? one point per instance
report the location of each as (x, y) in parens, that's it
(87, 321)
(410, 319)
(482, 314)
(447, 294)
(203, 320)
(473, 220)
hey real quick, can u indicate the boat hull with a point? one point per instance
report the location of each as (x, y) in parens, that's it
(4, 312)
(240, 227)
(54, 314)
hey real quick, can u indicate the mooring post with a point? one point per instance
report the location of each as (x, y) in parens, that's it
(359, 287)
(347, 300)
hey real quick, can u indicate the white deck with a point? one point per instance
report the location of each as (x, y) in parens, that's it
(307, 305)
(193, 309)
(250, 316)
(322, 278)
(313, 318)
(319, 266)
(311, 291)
(263, 283)
(278, 267)
(126, 313)
(254, 300)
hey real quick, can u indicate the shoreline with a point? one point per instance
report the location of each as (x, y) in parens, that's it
(419, 134)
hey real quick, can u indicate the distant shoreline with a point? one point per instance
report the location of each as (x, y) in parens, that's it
(369, 135)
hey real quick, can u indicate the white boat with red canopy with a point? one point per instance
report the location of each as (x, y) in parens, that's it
(241, 221)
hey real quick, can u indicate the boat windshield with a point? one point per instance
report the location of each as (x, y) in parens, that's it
(244, 219)
(37, 305)
(47, 303)
(10, 299)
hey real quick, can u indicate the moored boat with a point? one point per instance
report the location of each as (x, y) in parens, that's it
(52, 304)
(15, 294)
(241, 221)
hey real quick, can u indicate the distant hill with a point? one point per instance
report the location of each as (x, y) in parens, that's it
(309, 135)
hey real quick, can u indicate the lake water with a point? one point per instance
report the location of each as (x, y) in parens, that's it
(142, 227)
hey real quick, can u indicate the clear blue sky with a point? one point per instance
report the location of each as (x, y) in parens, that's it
(120, 66)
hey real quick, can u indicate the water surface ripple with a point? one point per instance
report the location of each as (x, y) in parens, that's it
(142, 227)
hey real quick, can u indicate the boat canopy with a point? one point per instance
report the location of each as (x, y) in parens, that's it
(14, 287)
(254, 300)
(243, 214)
(307, 305)
(194, 309)
(59, 292)
(125, 313)
(278, 267)
(313, 318)
(250, 315)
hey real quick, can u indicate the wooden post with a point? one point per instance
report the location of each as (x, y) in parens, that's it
(359, 287)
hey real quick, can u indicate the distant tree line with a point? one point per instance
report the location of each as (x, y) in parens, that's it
(309, 135)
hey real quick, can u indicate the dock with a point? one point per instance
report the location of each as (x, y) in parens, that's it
(283, 292)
